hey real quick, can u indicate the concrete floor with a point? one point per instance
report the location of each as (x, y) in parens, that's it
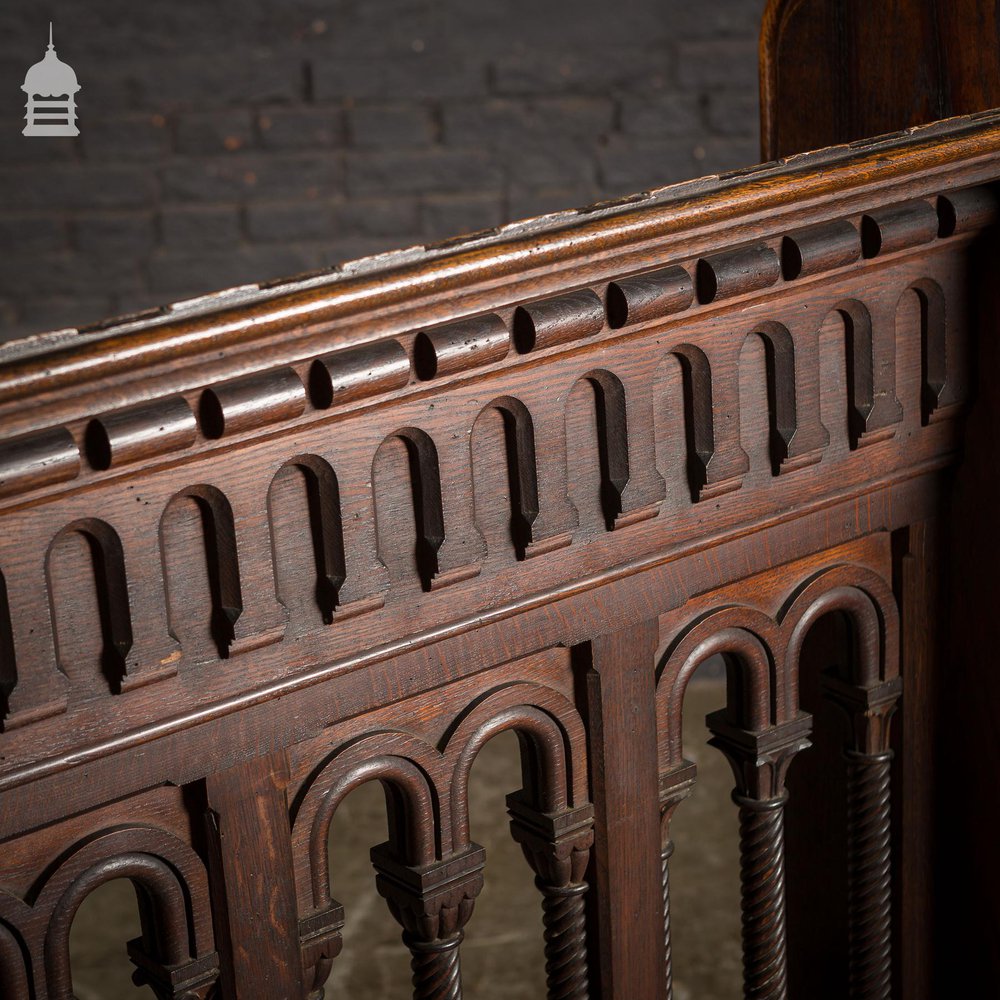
(502, 955)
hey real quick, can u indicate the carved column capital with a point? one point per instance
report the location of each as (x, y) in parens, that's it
(869, 710)
(556, 845)
(321, 940)
(193, 980)
(430, 901)
(675, 787)
(760, 759)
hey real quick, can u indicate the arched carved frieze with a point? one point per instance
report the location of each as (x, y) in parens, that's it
(306, 492)
(210, 508)
(519, 463)
(89, 601)
(715, 460)
(631, 489)
(736, 632)
(870, 359)
(413, 774)
(931, 317)
(448, 547)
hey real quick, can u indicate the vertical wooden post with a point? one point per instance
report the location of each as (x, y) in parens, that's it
(619, 684)
(253, 889)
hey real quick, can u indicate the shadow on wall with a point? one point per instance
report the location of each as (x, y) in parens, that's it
(227, 144)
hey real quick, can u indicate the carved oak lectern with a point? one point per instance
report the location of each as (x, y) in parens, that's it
(262, 547)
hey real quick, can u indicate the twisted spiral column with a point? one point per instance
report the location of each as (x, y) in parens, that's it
(762, 885)
(557, 847)
(436, 965)
(665, 862)
(870, 707)
(565, 940)
(675, 787)
(760, 761)
(869, 877)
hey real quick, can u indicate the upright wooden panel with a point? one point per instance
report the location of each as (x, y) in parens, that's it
(621, 720)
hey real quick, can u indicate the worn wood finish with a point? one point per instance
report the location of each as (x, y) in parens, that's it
(840, 70)
(262, 548)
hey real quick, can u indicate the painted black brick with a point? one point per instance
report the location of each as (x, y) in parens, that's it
(234, 142)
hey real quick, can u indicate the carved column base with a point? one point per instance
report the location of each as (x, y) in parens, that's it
(194, 980)
(557, 846)
(432, 903)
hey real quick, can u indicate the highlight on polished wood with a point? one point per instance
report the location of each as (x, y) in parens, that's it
(260, 548)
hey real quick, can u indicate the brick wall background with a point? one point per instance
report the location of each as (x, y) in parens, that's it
(224, 143)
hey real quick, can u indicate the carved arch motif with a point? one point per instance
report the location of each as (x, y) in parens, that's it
(553, 748)
(171, 886)
(221, 560)
(107, 560)
(521, 466)
(779, 360)
(322, 492)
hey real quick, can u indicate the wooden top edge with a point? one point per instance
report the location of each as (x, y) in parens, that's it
(236, 317)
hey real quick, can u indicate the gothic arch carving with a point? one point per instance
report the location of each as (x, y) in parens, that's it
(553, 748)
(412, 775)
(779, 354)
(522, 470)
(933, 344)
(868, 602)
(221, 561)
(114, 618)
(745, 637)
(425, 490)
(171, 886)
(322, 494)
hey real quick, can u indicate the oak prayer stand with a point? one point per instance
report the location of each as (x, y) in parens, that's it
(262, 547)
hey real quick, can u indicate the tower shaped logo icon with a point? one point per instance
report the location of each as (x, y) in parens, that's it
(51, 87)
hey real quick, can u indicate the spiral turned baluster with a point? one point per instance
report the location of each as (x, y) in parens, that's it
(436, 965)
(869, 708)
(675, 787)
(762, 883)
(760, 761)
(565, 940)
(557, 846)
(665, 862)
(869, 848)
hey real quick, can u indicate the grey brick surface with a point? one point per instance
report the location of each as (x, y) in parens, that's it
(304, 128)
(214, 226)
(214, 131)
(127, 235)
(231, 143)
(392, 125)
(144, 136)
